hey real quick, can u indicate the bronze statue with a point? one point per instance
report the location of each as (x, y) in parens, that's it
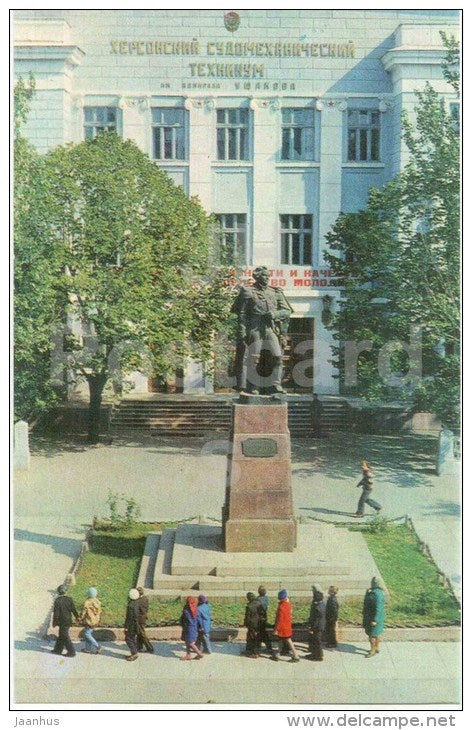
(263, 317)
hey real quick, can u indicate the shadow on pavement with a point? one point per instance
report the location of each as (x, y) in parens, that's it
(62, 545)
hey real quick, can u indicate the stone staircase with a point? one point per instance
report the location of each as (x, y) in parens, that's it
(182, 416)
(189, 560)
(333, 415)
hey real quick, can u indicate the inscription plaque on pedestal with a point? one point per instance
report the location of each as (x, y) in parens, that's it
(258, 510)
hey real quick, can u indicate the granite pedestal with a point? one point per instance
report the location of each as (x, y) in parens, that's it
(258, 510)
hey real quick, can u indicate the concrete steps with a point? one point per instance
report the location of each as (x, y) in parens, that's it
(195, 417)
(333, 416)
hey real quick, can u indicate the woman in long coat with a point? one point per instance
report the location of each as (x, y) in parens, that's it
(373, 615)
(283, 627)
(316, 626)
(189, 623)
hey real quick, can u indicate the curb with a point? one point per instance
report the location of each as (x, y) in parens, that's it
(345, 634)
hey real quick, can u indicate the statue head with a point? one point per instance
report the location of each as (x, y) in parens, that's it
(261, 275)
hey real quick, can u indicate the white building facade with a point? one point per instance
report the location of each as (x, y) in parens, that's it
(277, 120)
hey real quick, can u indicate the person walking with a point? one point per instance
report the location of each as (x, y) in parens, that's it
(316, 626)
(204, 624)
(373, 616)
(253, 618)
(332, 612)
(143, 608)
(367, 484)
(264, 635)
(189, 623)
(63, 611)
(283, 627)
(90, 618)
(131, 625)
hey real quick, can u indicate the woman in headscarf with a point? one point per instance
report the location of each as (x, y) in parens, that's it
(316, 626)
(367, 484)
(373, 616)
(189, 623)
(204, 624)
(90, 618)
(283, 627)
(131, 625)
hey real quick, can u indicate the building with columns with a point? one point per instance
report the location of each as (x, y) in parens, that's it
(277, 120)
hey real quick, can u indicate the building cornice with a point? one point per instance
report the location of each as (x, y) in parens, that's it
(412, 56)
(71, 55)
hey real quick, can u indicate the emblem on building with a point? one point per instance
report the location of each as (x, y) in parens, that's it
(232, 21)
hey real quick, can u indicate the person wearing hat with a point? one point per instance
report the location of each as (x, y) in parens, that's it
(204, 624)
(373, 615)
(63, 611)
(263, 317)
(131, 625)
(367, 484)
(316, 626)
(332, 612)
(283, 627)
(264, 635)
(253, 617)
(90, 618)
(189, 623)
(143, 608)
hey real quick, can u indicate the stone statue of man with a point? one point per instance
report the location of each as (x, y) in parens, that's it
(263, 316)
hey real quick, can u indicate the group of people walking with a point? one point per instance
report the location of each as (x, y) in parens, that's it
(195, 621)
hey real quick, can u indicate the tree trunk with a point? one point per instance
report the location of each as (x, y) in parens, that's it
(96, 384)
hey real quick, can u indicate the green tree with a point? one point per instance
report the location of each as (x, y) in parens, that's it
(400, 259)
(37, 264)
(137, 264)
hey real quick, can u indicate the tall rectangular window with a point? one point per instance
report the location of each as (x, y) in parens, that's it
(297, 134)
(232, 134)
(99, 119)
(233, 251)
(296, 239)
(168, 134)
(363, 135)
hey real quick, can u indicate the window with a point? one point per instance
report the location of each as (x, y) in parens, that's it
(168, 134)
(297, 134)
(233, 238)
(99, 119)
(363, 135)
(296, 237)
(232, 134)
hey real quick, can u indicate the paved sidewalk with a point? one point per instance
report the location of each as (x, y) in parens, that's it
(403, 673)
(67, 484)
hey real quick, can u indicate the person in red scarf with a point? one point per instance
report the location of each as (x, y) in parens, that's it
(283, 627)
(189, 624)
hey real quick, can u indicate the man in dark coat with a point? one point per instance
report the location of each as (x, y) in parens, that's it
(64, 609)
(143, 608)
(316, 626)
(131, 625)
(332, 612)
(264, 635)
(253, 619)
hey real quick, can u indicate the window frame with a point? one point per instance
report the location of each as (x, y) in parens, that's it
(306, 228)
(107, 126)
(368, 128)
(292, 126)
(227, 126)
(174, 127)
(234, 230)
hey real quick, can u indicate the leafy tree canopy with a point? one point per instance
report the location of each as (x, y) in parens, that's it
(400, 259)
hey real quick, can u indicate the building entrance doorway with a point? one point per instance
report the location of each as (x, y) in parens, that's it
(298, 355)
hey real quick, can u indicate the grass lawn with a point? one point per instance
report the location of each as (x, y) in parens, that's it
(416, 597)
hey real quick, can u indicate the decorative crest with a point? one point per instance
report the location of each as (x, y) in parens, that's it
(232, 21)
